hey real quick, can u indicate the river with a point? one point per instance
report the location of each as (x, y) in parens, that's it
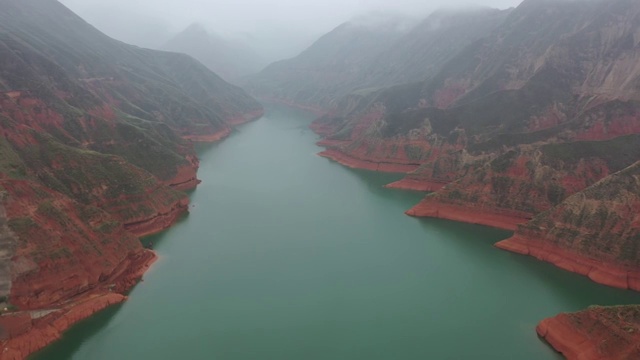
(286, 255)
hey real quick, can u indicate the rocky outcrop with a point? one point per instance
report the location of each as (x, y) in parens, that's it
(502, 219)
(525, 182)
(598, 333)
(367, 164)
(160, 220)
(595, 232)
(416, 185)
(62, 248)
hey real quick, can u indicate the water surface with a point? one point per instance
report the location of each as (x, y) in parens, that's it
(286, 255)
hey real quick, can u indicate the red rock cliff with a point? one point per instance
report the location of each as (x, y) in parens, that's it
(599, 333)
(593, 233)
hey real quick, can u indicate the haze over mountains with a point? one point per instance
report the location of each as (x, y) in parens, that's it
(231, 60)
(272, 31)
(525, 118)
(369, 53)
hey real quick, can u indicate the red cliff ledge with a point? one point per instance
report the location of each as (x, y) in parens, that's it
(185, 179)
(598, 271)
(43, 331)
(355, 163)
(599, 333)
(161, 221)
(416, 185)
(501, 219)
(215, 136)
(26, 332)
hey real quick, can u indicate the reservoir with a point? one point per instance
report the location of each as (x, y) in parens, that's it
(288, 256)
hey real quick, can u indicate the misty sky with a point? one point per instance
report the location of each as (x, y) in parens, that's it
(151, 22)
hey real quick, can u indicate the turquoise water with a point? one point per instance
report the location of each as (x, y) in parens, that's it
(286, 255)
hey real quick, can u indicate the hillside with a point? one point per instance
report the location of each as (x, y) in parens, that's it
(95, 150)
(227, 59)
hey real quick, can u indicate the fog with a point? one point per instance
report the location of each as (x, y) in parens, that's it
(277, 29)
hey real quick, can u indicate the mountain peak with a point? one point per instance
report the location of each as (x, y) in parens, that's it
(196, 28)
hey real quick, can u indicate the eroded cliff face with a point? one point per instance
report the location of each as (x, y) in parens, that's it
(598, 333)
(595, 232)
(516, 186)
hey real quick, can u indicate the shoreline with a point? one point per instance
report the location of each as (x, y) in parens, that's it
(416, 185)
(599, 272)
(30, 331)
(356, 163)
(593, 334)
(487, 217)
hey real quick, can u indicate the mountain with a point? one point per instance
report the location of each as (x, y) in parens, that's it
(372, 52)
(500, 107)
(95, 150)
(543, 108)
(230, 60)
(533, 128)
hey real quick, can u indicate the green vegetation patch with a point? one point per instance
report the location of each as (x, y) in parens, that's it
(108, 227)
(48, 209)
(413, 152)
(10, 162)
(504, 162)
(618, 153)
(22, 225)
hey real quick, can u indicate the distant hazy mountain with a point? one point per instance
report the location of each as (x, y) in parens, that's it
(330, 66)
(229, 59)
(132, 27)
(372, 52)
